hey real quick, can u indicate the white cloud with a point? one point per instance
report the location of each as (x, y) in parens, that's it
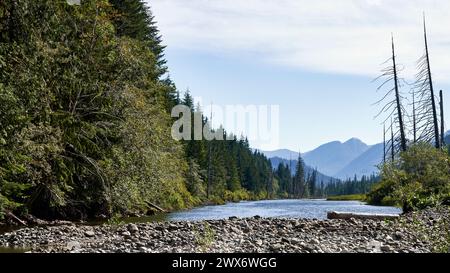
(345, 36)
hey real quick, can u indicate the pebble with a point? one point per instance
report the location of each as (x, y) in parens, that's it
(132, 228)
(126, 234)
(256, 234)
(386, 248)
(89, 233)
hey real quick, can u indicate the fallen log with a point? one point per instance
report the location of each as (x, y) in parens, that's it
(155, 207)
(363, 216)
(16, 219)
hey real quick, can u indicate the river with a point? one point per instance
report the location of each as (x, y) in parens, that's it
(279, 208)
(304, 208)
(312, 209)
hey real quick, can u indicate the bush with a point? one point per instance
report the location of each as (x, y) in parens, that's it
(236, 196)
(352, 197)
(419, 178)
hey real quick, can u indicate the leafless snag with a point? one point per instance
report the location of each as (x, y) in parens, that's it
(393, 108)
(414, 117)
(427, 118)
(441, 104)
(384, 143)
(392, 142)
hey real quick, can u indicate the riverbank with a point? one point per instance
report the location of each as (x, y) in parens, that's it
(420, 232)
(352, 197)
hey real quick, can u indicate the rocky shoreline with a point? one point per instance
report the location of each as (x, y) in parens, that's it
(420, 232)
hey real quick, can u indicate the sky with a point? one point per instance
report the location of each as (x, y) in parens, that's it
(316, 60)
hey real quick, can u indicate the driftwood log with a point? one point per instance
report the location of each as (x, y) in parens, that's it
(362, 216)
(155, 207)
(16, 219)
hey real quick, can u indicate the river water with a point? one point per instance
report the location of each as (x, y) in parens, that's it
(312, 209)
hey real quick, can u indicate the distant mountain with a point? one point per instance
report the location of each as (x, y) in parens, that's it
(308, 170)
(337, 159)
(282, 153)
(447, 138)
(332, 157)
(365, 164)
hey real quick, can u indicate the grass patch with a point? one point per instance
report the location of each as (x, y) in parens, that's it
(353, 197)
(204, 237)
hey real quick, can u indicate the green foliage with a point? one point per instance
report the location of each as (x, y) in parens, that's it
(236, 172)
(353, 186)
(291, 185)
(115, 220)
(299, 188)
(236, 196)
(420, 178)
(133, 18)
(204, 236)
(353, 197)
(194, 181)
(85, 128)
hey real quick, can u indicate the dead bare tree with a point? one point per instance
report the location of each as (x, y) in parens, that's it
(390, 146)
(441, 104)
(392, 142)
(392, 103)
(414, 117)
(427, 117)
(384, 143)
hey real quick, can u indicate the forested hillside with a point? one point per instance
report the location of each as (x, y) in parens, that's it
(320, 177)
(85, 126)
(295, 179)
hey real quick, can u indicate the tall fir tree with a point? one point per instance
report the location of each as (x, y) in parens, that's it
(299, 179)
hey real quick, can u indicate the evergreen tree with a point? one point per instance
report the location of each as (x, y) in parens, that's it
(312, 182)
(299, 189)
(83, 146)
(188, 100)
(134, 19)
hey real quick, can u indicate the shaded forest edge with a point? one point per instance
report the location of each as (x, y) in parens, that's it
(85, 124)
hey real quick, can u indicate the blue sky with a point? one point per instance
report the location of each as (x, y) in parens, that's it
(316, 61)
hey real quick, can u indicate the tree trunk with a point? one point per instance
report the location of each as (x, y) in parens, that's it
(384, 143)
(414, 119)
(392, 142)
(397, 97)
(441, 103)
(362, 216)
(430, 81)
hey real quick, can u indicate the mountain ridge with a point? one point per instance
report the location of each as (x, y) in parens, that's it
(338, 159)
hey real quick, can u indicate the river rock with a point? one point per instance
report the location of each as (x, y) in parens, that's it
(89, 233)
(385, 248)
(132, 228)
(73, 245)
(398, 235)
(126, 234)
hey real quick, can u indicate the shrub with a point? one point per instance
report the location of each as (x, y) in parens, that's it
(419, 178)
